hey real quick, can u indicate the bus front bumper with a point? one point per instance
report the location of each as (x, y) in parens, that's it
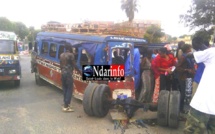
(6, 78)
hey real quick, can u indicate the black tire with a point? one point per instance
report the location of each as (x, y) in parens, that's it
(100, 100)
(88, 96)
(39, 81)
(17, 83)
(163, 105)
(174, 109)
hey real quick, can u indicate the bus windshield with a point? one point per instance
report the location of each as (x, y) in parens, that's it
(7, 47)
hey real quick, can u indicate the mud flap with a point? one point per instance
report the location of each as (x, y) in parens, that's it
(174, 109)
(88, 97)
(100, 100)
(163, 105)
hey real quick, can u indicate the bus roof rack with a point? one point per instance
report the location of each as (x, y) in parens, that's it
(93, 31)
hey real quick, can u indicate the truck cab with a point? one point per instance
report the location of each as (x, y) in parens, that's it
(10, 69)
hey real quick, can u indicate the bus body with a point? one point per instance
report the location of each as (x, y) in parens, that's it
(89, 50)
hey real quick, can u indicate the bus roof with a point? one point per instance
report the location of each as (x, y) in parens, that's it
(4, 35)
(92, 37)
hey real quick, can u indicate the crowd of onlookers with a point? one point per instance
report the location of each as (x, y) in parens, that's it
(189, 71)
(162, 69)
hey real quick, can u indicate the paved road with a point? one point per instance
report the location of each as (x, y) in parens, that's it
(31, 109)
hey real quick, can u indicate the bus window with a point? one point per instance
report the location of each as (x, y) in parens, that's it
(85, 58)
(61, 50)
(45, 47)
(7, 47)
(53, 50)
(119, 55)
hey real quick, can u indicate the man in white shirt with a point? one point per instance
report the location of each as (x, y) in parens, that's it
(201, 116)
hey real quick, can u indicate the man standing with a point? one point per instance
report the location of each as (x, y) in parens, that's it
(185, 70)
(200, 66)
(118, 60)
(67, 64)
(30, 45)
(201, 116)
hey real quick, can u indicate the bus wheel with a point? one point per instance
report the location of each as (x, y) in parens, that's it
(88, 97)
(163, 104)
(17, 83)
(39, 81)
(100, 100)
(174, 109)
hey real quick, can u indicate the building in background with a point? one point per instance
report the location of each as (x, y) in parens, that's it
(56, 26)
(186, 38)
(137, 27)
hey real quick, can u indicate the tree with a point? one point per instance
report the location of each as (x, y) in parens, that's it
(201, 14)
(153, 34)
(174, 39)
(168, 38)
(18, 27)
(5, 24)
(32, 34)
(130, 7)
(21, 30)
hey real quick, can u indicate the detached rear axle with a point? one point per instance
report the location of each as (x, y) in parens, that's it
(130, 105)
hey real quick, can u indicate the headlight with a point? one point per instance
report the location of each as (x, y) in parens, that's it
(12, 71)
(10, 61)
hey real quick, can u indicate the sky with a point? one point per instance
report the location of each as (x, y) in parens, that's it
(38, 12)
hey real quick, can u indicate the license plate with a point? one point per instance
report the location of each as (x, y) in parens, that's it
(1, 70)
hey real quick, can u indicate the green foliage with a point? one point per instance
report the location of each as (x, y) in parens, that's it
(204, 34)
(174, 39)
(18, 27)
(32, 34)
(201, 14)
(5, 24)
(130, 7)
(21, 30)
(169, 38)
(153, 34)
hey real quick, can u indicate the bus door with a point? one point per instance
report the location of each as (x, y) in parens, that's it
(42, 60)
(125, 51)
(54, 74)
(48, 66)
